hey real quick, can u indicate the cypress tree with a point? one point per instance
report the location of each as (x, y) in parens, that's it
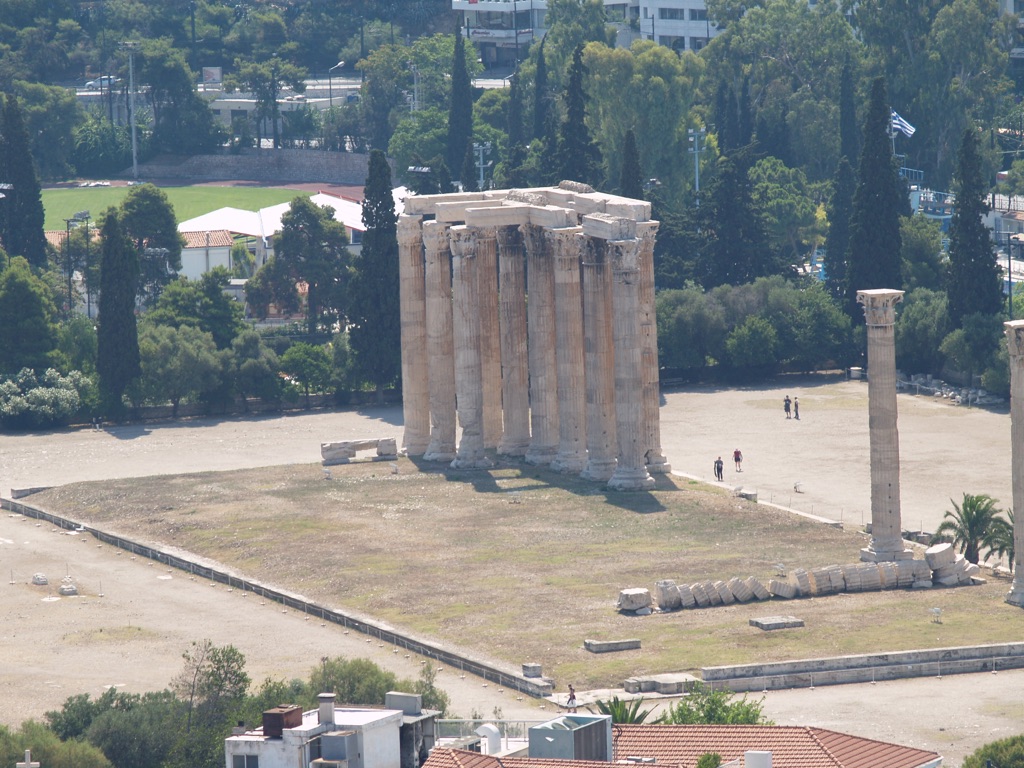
(375, 335)
(849, 142)
(460, 108)
(117, 354)
(839, 209)
(873, 257)
(540, 94)
(631, 180)
(468, 172)
(745, 117)
(972, 279)
(514, 175)
(21, 228)
(578, 158)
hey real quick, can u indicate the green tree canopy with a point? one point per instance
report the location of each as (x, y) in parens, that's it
(375, 333)
(578, 158)
(27, 314)
(148, 220)
(21, 211)
(309, 366)
(704, 706)
(178, 364)
(201, 304)
(310, 249)
(117, 347)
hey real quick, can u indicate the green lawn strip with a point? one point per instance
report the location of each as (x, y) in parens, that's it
(519, 564)
(188, 202)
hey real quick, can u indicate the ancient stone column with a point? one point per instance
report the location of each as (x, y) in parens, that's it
(565, 245)
(415, 376)
(655, 459)
(515, 369)
(440, 347)
(466, 332)
(490, 338)
(886, 523)
(598, 362)
(631, 472)
(1015, 346)
(540, 313)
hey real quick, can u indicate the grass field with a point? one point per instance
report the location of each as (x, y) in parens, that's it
(188, 202)
(521, 564)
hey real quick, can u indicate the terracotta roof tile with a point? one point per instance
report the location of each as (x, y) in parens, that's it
(218, 238)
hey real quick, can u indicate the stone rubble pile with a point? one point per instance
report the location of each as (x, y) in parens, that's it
(942, 565)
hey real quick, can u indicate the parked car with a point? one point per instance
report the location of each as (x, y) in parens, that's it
(103, 82)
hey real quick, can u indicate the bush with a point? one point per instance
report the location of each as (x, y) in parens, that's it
(30, 401)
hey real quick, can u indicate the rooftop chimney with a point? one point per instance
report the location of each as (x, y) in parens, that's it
(326, 708)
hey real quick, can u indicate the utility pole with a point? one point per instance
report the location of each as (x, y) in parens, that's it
(131, 47)
(696, 137)
(480, 164)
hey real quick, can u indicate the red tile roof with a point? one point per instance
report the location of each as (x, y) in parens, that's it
(791, 746)
(680, 746)
(218, 238)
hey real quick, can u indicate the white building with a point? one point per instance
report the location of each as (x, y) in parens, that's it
(205, 250)
(505, 29)
(397, 736)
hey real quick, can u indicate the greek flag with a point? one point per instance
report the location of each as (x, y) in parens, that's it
(901, 125)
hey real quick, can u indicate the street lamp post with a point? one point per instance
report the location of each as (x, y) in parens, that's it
(330, 82)
(4, 188)
(130, 46)
(696, 136)
(69, 265)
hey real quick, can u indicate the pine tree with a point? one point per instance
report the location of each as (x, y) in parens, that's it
(579, 158)
(460, 108)
(839, 209)
(514, 174)
(849, 141)
(27, 315)
(375, 334)
(117, 360)
(972, 280)
(631, 180)
(21, 225)
(540, 94)
(873, 257)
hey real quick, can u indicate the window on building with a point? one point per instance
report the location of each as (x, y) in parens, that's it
(357, 237)
(1018, 6)
(672, 14)
(698, 14)
(245, 761)
(696, 43)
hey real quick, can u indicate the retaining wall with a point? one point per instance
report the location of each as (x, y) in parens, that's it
(486, 670)
(866, 668)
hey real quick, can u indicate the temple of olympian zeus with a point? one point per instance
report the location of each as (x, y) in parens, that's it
(886, 525)
(530, 315)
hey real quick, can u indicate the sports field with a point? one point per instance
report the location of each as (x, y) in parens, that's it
(188, 202)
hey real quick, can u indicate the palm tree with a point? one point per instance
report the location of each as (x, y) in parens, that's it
(623, 710)
(1000, 539)
(969, 523)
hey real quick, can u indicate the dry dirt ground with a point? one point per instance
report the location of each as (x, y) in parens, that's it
(133, 636)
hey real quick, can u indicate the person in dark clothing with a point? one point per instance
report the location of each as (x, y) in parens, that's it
(719, 467)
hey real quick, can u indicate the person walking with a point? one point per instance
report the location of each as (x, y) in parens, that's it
(786, 406)
(570, 703)
(737, 457)
(719, 467)
(796, 407)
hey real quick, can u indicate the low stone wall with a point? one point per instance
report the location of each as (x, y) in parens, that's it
(530, 686)
(866, 668)
(266, 165)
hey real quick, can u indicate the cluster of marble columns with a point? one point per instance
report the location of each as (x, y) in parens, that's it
(529, 315)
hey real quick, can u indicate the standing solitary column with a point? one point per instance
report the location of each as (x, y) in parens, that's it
(540, 309)
(466, 333)
(599, 362)
(490, 338)
(415, 377)
(515, 370)
(631, 473)
(440, 348)
(1015, 346)
(656, 461)
(886, 523)
(566, 244)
